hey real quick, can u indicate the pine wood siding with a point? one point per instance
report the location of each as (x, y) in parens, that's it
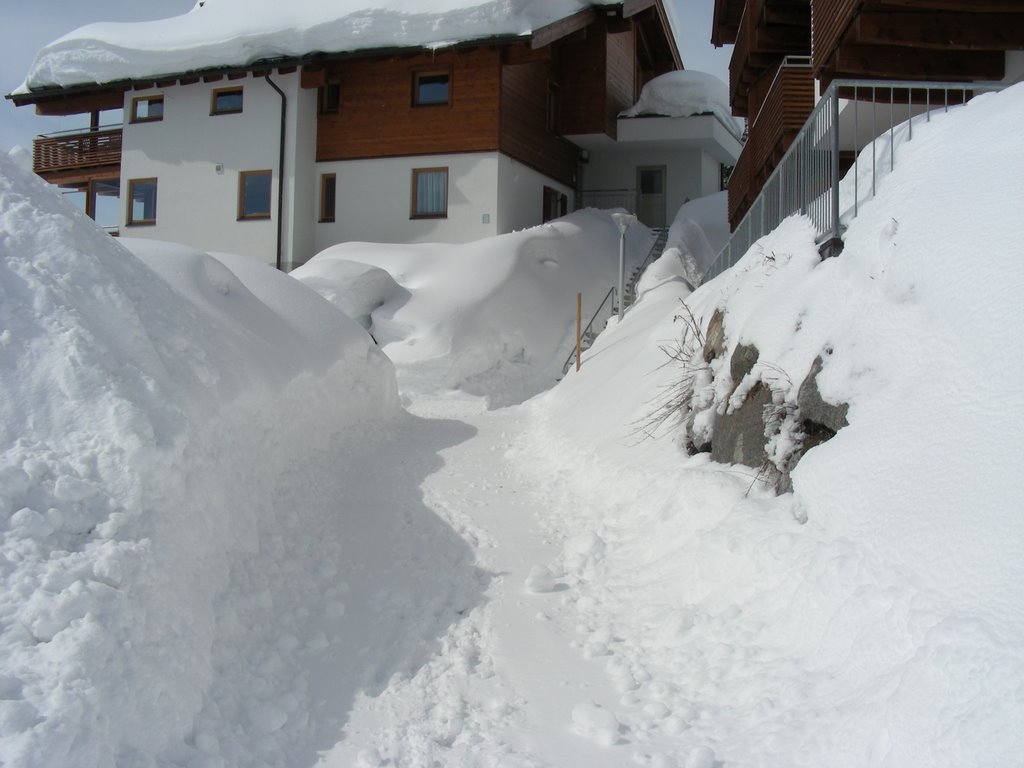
(524, 121)
(620, 62)
(829, 20)
(598, 73)
(582, 76)
(377, 117)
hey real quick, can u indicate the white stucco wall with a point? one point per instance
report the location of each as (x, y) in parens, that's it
(197, 157)
(689, 173)
(299, 168)
(374, 200)
(521, 200)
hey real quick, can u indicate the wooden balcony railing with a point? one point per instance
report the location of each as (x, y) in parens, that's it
(76, 150)
(787, 103)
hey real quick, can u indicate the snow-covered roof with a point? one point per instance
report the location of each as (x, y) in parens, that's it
(686, 93)
(228, 33)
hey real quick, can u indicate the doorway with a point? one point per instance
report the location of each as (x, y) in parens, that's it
(650, 195)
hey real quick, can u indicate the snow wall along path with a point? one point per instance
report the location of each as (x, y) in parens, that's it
(148, 423)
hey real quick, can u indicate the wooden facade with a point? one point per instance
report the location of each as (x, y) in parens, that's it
(377, 116)
(958, 40)
(915, 39)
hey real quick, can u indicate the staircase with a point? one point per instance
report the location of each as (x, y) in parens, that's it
(609, 304)
(656, 250)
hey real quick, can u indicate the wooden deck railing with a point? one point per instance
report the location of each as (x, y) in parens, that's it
(788, 102)
(72, 150)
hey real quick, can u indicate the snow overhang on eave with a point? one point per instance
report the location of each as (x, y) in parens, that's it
(56, 94)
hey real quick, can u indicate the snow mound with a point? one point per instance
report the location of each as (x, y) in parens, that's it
(698, 233)
(495, 317)
(219, 33)
(683, 94)
(149, 418)
(871, 617)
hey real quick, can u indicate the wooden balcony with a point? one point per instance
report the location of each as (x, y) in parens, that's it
(915, 39)
(74, 158)
(788, 101)
(768, 31)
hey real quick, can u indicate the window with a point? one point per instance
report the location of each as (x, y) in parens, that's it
(254, 194)
(429, 193)
(328, 191)
(430, 89)
(147, 109)
(141, 201)
(551, 119)
(226, 101)
(330, 98)
(555, 204)
(652, 181)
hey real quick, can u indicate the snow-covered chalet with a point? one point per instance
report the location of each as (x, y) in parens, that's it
(278, 129)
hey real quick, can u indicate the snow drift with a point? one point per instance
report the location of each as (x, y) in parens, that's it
(872, 617)
(495, 317)
(150, 417)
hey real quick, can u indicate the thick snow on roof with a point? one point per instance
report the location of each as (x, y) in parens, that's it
(686, 93)
(219, 33)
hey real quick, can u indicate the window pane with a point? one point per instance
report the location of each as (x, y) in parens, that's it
(651, 182)
(431, 192)
(148, 108)
(228, 101)
(327, 203)
(432, 89)
(256, 194)
(330, 98)
(143, 201)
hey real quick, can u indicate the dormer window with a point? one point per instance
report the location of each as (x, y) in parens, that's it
(226, 101)
(431, 88)
(147, 109)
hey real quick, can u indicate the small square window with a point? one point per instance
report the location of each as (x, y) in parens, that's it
(429, 193)
(328, 196)
(330, 98)
(141, 202)
(226, 101)
(431, 89)
(147, 109)
(254, 194)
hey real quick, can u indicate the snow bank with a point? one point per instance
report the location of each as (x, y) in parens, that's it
(153, 408)
(495, 317)
(686, 93)
(872, 617)
(697, 235)
(218, 33)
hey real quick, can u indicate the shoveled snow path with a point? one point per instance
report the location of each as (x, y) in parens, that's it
(515, 681)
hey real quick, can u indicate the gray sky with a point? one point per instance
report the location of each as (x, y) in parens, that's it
(28, 26)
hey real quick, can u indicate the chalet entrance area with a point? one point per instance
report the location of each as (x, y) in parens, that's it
(650, 195)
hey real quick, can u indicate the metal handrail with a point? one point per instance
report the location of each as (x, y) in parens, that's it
(806, 180)
(81, 131)
(661, 238)
(589, 327)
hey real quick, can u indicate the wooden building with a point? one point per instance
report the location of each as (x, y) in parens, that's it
(787, 51)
